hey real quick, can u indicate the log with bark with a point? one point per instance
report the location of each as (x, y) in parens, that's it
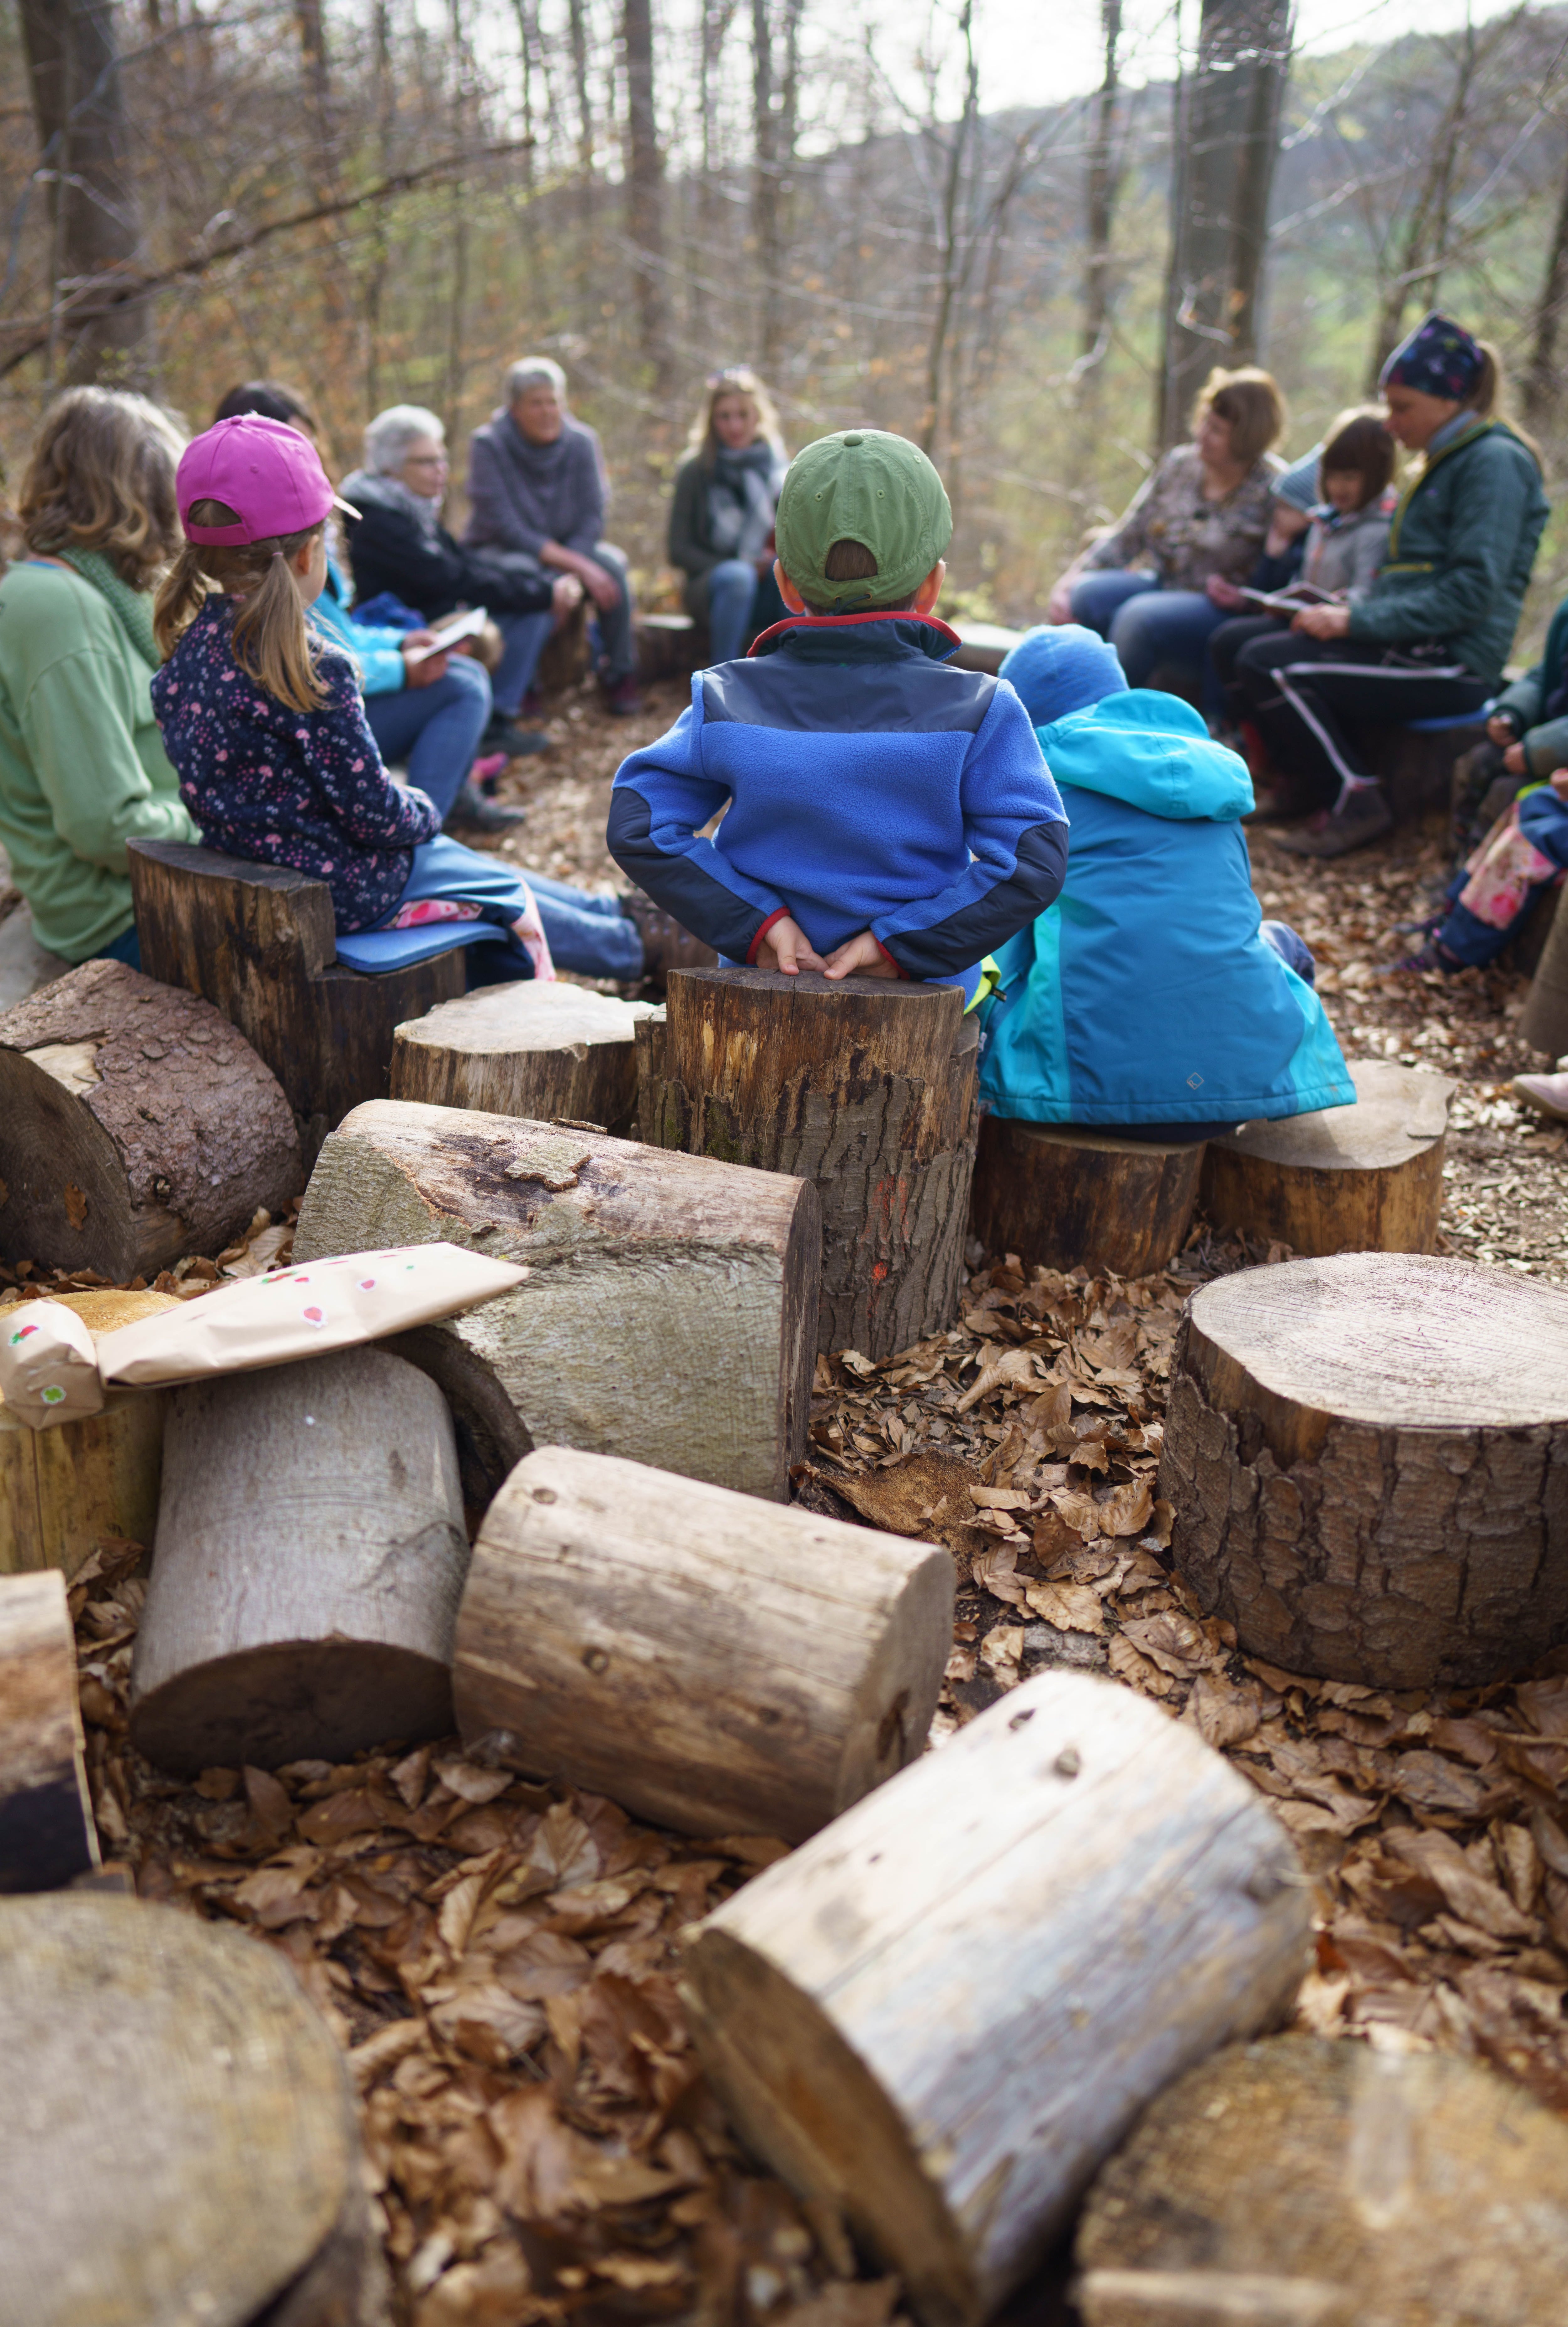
(1070, 1195)
(940, 2015)
(61, 1490)
(47, 1834)
(307, 1568)
(136, 1125)
(1367, 1458)
(866, 1088)
(1302, 2183)
(1544, 1020)
(1366, 1178)
(259, 941)
(540, 1051)
(180, 2144)
(670, 1308)
(709, 1665)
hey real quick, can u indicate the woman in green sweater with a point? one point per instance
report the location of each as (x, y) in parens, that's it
(82, 768)
(720, 520)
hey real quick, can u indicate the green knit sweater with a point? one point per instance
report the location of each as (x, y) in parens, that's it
(82, 766)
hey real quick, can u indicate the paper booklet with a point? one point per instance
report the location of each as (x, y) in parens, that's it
(1290, 600)
(449, 633)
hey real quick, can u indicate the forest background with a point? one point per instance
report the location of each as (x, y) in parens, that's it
(392, 199)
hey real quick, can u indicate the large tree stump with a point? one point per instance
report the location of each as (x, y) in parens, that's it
(866, 1088)
(307, 1569)
(1544, 1022)
(710, 1665)
(670, 1312)
(1366, 1178)
(61, 1490)
(1368, 1460)
(178, 2147)
(47, 1834)
(260, 943)
(941, 2014)
(539, 1050)
(135, 1127)
(1066, 1196)
(1301, 2183)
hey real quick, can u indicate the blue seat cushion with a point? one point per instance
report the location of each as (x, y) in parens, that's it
(376, 951)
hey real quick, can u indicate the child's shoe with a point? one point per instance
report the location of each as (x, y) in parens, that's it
(1547, 1094)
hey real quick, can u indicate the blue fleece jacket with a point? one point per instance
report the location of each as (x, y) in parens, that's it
(1145, 994)
(869, 787)
(375, 648)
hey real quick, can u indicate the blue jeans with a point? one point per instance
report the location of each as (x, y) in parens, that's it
(525, 636)
(434, 729)
(740, 603)
(1151, 627)
(588, 935)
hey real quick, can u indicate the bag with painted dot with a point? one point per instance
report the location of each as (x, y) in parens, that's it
(49, 1368)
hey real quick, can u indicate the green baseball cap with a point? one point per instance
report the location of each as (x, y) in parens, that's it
(868, 486)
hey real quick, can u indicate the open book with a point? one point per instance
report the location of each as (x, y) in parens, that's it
(447, 634)
(1290, 600)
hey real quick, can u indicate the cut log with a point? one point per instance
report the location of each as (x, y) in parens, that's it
(867, 1089)
(942, 2014)
(62, 1490)
(670, 1311)
(540, 1051)
(710, 1666)
(1366, 1178)
(1367, 1458)
(260, 942)
(135, 1127)
(1070, 1196)
(179, 2142)
(1302, 2183)
(307, 1568)
(47, 1834)
(1544, 1022)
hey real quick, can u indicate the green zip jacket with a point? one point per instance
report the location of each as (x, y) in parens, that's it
(1460, 552)
(1546, 742)
(82, 766)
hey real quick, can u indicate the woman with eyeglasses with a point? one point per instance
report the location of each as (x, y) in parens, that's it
(721, 521)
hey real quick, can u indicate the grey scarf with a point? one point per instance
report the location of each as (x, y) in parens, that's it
(364, 484)
(743, 495)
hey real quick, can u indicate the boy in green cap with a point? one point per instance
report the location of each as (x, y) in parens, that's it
(887, 815)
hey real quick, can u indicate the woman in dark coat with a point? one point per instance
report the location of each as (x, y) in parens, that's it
(721, 521)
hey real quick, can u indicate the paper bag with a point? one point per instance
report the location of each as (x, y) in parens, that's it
(48, 1369)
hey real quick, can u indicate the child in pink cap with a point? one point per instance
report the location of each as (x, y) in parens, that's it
(264, 719)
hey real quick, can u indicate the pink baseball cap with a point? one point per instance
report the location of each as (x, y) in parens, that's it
(267, 473)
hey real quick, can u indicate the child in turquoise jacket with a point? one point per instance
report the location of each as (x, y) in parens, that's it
(1152, 997)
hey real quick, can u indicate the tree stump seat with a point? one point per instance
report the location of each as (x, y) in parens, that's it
(1415, 762)
(260, 942)
(47, 1834)
(1065, 1195)
(546, 1052)
(1367, 1458)
(1364, 1178)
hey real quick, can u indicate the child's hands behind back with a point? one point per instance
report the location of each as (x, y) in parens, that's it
(785, 946)
(860, 954)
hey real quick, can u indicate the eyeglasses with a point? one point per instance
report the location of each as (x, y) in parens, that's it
(425, 460)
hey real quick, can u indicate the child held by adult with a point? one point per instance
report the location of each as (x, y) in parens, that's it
(888, 816)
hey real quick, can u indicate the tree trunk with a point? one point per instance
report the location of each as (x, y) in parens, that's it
(240, 2195)
(1302, 2183)
(539, 1052)
(136, 1125)
(1366, 1178)
(1422, 249)
(309, 1560)
(1368, 1462)
(765, 251)
(710, 1665)
(1228, 144)
(1542, 386)
(938, 2016)
(1544, 1021)
(64, 1488)
(1070, 1196)
(79, 109)
(670, 1308)
(47, 1834)
(1103, 182)
(645, 192)
(867, 1088)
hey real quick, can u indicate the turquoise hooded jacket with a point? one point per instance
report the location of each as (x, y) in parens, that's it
(1145, 993)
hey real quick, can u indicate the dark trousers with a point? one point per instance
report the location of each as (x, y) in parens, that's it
(1225, 647)
(1309, 697)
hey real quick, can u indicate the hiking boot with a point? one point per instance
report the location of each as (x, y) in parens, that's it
(667, 943)
(532, 705)
(1363, 816)
(1547, 1094)
(516, 743)
(624, 700)
(1432, 955)
(482, 815)
(1277, 802)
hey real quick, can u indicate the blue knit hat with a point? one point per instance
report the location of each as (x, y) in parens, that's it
(1297, 486)
(1438, 358)
(1062, 667)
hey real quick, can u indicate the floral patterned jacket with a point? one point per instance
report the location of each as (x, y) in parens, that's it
(1170, 526)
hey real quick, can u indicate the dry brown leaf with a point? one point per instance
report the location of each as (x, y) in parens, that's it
(1128, 1509)
(1222, 1712)
(1139, 1671)
(1001, 1651)
(1469, 1895)
(1174, 1641)
(1001, 1369)
(1070, 1607)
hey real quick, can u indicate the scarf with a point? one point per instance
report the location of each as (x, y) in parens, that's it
(743, 495)
(364, 485)
(131, 609)
(549, 486)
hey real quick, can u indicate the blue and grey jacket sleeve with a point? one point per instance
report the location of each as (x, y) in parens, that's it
(660, 799)
(1016, 829)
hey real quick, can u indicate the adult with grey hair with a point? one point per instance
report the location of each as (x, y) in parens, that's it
(398, 547)
(537, 488)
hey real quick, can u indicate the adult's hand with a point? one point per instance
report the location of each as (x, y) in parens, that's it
(1558, 779)
(600, 584)
(1221, 593)
(1058, 605)
(1515, 761)
(427, 671)
(566, 597)
(1323, 622)
(861, 956)
(787, 947)
(1501, 729)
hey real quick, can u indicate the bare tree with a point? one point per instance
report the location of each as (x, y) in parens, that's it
(645, 194)
(1102, 181)
(1542, 387)
(95, 218)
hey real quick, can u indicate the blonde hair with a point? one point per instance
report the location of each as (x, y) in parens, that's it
(101, 476)
(271, 639)
(1250, 401)
(739, 381)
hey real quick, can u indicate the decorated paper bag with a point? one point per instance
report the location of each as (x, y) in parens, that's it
(48, 1369)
